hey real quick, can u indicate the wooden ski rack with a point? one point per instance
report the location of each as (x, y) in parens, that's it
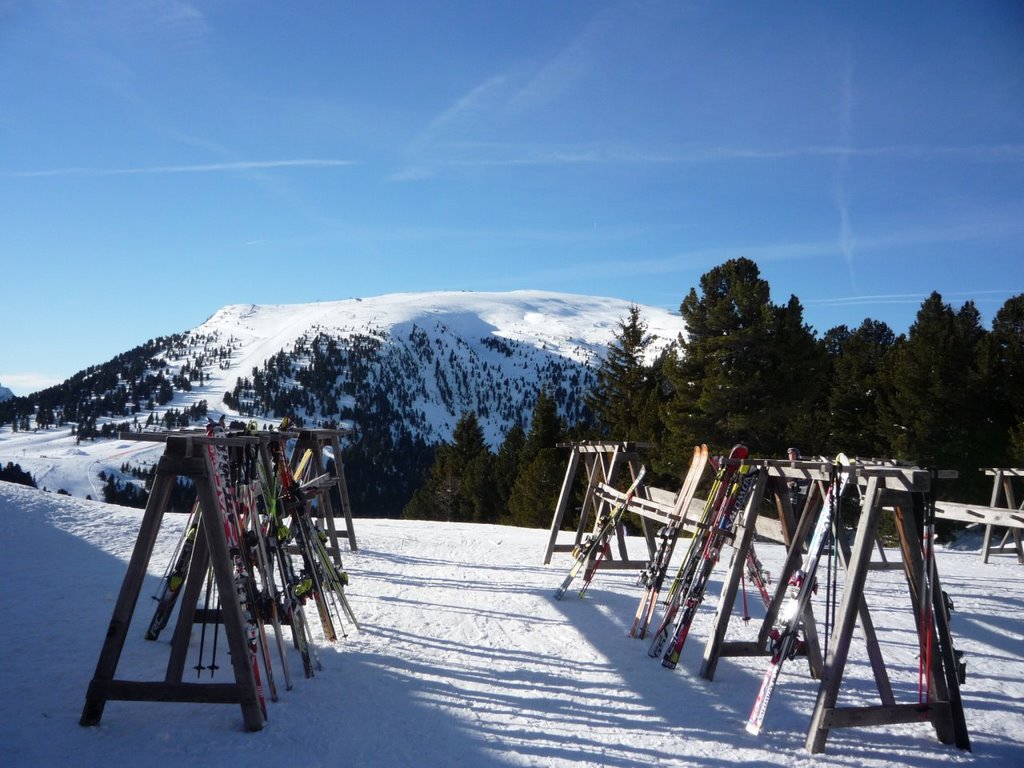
(882, 486)
(1007, 515)
(333, 496)
(184, 456)
(902, 491)
(603, 461)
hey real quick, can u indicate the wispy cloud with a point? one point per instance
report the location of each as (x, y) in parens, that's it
(510, 154)
(699, 259)
(244, 165)
(457, 117)
(464, 110)
(908, 298)
(561, 72)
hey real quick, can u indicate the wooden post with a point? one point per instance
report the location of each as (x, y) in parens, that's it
(1002, 485)
(563, 503)
(794, 559)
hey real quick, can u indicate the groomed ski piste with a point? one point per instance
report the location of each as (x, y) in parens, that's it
(465, 658)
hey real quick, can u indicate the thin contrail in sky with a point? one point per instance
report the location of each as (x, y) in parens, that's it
(243, 165)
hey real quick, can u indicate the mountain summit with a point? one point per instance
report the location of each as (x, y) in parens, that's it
(431, 356)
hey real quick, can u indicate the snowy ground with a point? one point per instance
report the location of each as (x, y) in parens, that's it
(466, 659)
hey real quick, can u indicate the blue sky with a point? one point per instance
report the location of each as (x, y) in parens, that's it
(159, 159)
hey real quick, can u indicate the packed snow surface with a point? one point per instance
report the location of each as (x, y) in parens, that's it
(466, 659)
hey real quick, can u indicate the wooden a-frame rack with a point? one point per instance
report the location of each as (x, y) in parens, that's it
(900, 489)
(334, 501)
(184, 456)
(602, 461)
(1006, 515)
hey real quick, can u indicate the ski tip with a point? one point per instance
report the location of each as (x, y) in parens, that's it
(739, 451)
(754, 729)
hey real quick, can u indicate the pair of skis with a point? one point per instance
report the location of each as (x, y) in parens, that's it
(742, 482)
(717, 495)
(243, 579)
(594, 547)
(653, 577)
(321, 578)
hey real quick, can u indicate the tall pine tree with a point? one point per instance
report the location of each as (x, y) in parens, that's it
(857, 359)
(933, 402)
(746, 370)
(1005, 366)
(460, 486)
(542, 468)
(623, 398)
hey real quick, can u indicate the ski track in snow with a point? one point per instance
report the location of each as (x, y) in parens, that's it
(466, 659)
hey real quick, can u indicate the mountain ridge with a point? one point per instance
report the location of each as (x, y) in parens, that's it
(466, 331)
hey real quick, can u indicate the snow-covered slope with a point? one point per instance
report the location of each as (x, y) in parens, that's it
(465, 659)
(577, 327)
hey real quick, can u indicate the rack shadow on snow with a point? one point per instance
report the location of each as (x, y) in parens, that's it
(527, 696)
(684, 700)
(516, 702)
(718, 709)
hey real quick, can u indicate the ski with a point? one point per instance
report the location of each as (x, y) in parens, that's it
(758, 576)
(654, 575)
(784, 639)
(596, 541)
(277, 536)
(221, 469)
(724, 469)
(175, 576)
(742, 482)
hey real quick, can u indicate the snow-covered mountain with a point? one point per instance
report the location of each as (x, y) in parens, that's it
(430, 355)
(398, 369)
(5, 393)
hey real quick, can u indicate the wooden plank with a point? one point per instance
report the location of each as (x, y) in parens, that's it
(1006, 471)
(195, 693)
(342, 484)
(231, 611)
(194, 578)
(128, 597)
(770, 529)
(982, 515)
(741, 648)
(892, 714)
(562, 505)
(651, 509)
(603, 446)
